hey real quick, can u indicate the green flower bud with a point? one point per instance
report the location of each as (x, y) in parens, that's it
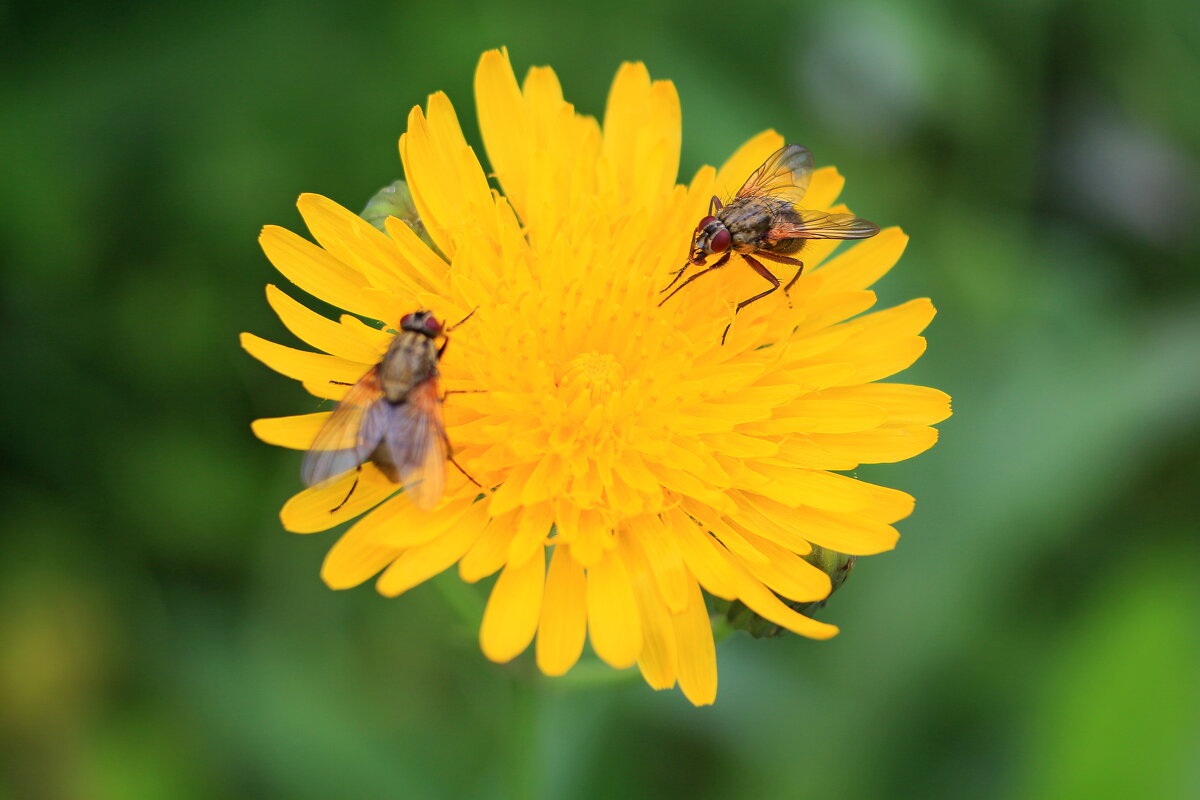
(395, 200)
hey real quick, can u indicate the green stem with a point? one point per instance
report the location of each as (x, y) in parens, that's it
(463, 600)
(525, 758)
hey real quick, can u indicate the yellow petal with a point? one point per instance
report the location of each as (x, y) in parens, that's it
(533, 526)
(721, 531)
(448, 186)
(904, 404)
(696, 651)
(589, 534)
(886, 341)
(317, 272)
(513, 609)
(563, 621)
(882, 359)
(752, 519)
(489, 553)
(785, 573)
(543, 97)
(303, 365)
(702, 556)
(691, 457)
(356, 556)
(508, 496)
(325, 390)
(825, 310)
(332, 502)
(424, 561)
(657, 660)
(853, 534)
(835, 416)
(404, 524)
(426, 267)
(546, 481)
(763, 602)
(811, 377)
(886, 505)
(503, 123)
(661, 553)
(864, 263)
(906, 319)
(636, 118)
(812, 488)
(614, 625)
(688, 485)
(822, 193)
(295, 432)
(325, 334)
(800, 451)
(357, 243)
(880, 446)
(740, 445)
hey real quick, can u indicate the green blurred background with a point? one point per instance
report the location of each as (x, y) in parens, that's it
(1035, 635)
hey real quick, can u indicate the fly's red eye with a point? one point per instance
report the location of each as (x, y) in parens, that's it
(720, 241)
(407, 320)
(432, 326)
(704, 223)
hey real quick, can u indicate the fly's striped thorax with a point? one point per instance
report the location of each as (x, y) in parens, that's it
(410, 361)
(750, 220)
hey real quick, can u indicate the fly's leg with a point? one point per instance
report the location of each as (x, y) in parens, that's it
(795, 278)
(464, 472)
(446, 343)
(678, 274)
(449, 392)
(757, 266)
(761, 270)
(464, 319)
(353, 486)
(720, 263)
(450, 458)
(795, 262)
(698, 259)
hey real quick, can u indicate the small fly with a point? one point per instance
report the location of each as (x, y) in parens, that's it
(392, 418)
(763, 221)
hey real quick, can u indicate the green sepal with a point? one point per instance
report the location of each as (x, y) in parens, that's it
(836, 565)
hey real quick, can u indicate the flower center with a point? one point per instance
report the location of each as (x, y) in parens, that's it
(596, 375)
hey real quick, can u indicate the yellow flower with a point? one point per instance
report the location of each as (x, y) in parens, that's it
(637, 462)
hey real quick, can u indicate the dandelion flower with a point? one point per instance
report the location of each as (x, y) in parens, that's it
(632, 462)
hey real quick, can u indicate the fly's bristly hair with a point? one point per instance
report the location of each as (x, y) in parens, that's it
(411, 359)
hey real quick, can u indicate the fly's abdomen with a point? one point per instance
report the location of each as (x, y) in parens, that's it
(784, 214)
(785, 246)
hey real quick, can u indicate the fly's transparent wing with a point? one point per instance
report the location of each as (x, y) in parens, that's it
(416, 444)
(820, 225)
(785, 174)
(349, 435)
